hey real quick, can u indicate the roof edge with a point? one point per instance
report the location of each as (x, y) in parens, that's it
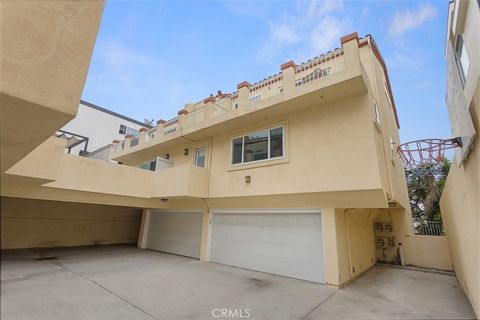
(113, 113)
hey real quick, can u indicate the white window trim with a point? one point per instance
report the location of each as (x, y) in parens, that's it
(392, 148)
(196, 157)
(376, 115)
(263, 160)
(387, 95)
(463, 74)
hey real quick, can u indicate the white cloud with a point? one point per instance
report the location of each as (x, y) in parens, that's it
(310, 29)
(326, 35)
(283, 33)
(364, 12)
(404, 21)
(118, 55)
(318, 8)
(406, 60)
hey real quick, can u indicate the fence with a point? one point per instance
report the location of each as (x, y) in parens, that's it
(429, 228)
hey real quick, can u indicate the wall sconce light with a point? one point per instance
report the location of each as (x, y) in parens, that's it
(248, 179)
(185, 152)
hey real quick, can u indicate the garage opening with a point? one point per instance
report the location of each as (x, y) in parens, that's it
(177, 232)
(283, 242)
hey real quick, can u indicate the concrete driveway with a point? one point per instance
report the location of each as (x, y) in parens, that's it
(123, 282)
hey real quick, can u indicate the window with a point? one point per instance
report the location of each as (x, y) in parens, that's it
(280, 89)
(127, 130)
(200, 155)
(132, 131)
(255, 99)
(387, 95)
(257, 146)
(392, 148)
(150, 165)
(463, 62)
(376, 113)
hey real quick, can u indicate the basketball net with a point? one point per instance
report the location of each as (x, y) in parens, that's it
(425, 157)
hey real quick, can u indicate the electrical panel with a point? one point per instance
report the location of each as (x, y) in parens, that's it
(385, 241)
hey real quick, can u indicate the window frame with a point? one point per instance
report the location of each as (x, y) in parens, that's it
(124, 127)
(196, 157)
(269, 138)
(149, 163)
(376, 115)
(458, 59)
(392, 149)
(387, 94)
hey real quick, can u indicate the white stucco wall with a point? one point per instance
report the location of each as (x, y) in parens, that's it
(100, 127)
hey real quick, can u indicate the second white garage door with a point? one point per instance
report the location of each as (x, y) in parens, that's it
(287, 243)
(175, 232)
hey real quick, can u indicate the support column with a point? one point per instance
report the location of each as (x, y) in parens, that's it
(142, 136)
(126, 144)
(337, 266)
(350, 51)
(209, 108)
(113, 148)
(243, 95)
(288, 74)
(181, 119)
(206, 235)
(143, 234)
(160, 127)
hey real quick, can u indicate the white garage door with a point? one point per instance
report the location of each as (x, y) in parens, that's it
(175, 232)
(285, 243)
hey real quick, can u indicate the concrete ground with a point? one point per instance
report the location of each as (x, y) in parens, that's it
(123, 282)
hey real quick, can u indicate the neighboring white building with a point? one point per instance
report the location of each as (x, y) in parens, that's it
(101, 126)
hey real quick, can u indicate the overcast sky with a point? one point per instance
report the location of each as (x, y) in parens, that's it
(152, 57)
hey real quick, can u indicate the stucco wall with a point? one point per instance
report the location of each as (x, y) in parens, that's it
(461, 216)
(427, 252)
(27, 223)
(460, 202)
(349, 243)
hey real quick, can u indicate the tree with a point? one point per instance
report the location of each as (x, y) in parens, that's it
(425, 184)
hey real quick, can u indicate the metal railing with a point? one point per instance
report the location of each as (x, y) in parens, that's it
(429, 228)
(73, 140)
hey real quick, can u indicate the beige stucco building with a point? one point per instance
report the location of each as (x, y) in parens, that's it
(460, 199)
(295, 175)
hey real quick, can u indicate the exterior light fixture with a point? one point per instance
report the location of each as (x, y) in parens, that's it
(248, 179)
(185, 152)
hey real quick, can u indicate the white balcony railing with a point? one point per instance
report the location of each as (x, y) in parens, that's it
(305, 74)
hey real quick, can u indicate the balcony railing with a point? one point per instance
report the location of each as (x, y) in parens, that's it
(248, 95)
(429, 228)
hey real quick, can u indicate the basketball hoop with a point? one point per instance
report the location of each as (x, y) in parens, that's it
(426, 155)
